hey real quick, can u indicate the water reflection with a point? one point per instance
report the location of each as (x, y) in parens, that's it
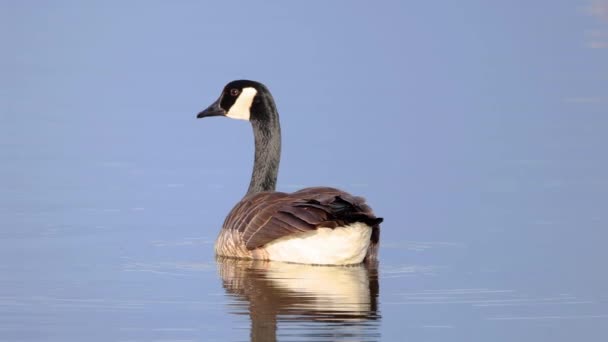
(304, 302)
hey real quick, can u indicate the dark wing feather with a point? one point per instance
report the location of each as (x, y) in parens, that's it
(266, 216)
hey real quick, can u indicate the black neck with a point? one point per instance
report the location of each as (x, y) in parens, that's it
(267, 133)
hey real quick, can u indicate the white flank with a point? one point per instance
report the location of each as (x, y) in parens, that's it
(240, 110)
(324, 246)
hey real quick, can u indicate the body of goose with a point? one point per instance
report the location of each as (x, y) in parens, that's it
(318, 225)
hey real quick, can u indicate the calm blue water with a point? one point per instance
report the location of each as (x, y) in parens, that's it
(476, 129)
(114, 251)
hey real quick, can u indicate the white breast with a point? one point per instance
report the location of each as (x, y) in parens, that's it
(324, 246)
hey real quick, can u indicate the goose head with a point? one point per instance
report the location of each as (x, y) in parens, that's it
(241, 100)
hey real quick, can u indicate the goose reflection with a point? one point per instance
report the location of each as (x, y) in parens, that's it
(342, 301)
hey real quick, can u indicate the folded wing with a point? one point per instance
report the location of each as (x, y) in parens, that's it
(264, 217)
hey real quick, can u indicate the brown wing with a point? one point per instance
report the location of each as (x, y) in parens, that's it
(267, 216)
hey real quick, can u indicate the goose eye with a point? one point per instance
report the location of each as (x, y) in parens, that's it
(234, 92)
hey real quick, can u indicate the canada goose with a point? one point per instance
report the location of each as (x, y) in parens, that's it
(318, 225)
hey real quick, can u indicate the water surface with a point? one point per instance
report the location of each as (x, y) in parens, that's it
(476, 129)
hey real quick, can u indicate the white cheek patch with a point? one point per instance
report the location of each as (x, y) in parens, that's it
(240, 110)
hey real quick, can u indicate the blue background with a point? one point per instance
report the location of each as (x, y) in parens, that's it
(476, 129)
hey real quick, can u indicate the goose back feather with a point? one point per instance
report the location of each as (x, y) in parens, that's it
(261, 218)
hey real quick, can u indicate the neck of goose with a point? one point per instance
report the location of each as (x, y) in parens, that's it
(267, 134)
